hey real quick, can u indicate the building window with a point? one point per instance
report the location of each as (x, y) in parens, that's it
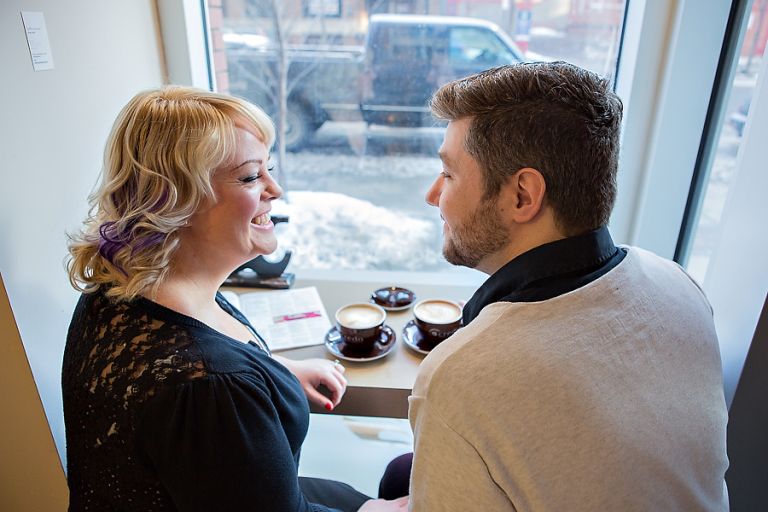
(322, 8)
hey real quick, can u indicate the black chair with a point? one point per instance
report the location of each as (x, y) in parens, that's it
(747, 476)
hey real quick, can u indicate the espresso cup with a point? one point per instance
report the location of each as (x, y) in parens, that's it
(437, 319)
(360, 324)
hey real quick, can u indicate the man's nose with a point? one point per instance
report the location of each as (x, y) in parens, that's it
(433, 194)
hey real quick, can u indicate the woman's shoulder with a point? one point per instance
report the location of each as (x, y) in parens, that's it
(150, 346)
(112, 340)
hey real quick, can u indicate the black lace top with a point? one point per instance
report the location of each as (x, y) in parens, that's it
(164, 413)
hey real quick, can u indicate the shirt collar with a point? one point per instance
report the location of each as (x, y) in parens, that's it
(559, 258)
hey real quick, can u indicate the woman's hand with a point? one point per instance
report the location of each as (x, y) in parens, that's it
(313, 372)
(385, 505)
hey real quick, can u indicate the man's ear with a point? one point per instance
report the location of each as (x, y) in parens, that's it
(525, 192)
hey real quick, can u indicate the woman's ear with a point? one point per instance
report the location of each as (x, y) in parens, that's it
(526, 189)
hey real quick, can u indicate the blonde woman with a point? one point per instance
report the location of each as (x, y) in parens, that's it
(172, 401)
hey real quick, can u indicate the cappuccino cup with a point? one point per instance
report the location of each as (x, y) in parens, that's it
(437, 319)
(360, 324)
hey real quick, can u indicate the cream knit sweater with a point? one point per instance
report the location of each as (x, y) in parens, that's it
(606, 398)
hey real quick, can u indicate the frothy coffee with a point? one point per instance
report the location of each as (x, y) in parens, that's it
(359, 316)
(437, 312)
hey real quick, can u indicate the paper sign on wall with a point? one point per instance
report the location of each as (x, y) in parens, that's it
(37, 40)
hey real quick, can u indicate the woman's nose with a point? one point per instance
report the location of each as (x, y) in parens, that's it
(273, 189)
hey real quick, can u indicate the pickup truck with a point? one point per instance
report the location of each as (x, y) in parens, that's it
(387, 81)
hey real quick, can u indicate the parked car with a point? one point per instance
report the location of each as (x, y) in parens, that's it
(387, 81)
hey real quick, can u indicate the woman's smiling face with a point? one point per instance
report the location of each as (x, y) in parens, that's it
(237, 226)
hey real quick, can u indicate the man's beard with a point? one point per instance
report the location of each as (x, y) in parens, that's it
(482, 234)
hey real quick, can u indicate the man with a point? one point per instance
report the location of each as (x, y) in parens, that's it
(587, 376)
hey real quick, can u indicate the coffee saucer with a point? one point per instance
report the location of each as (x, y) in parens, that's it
(336, 346)
(414, 340)
(394, 309)
(393, 298)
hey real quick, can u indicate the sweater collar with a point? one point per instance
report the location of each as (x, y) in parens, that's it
(561, 258)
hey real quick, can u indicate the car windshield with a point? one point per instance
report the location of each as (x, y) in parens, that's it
(471, 45)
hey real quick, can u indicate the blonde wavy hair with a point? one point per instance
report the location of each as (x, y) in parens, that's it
(158, 163)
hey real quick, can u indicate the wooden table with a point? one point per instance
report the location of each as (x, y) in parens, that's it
(381, 387)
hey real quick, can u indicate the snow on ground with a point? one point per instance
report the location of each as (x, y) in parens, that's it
(328, 230)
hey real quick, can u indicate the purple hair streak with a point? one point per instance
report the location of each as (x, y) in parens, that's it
(112, 240)
(149, 240)
(160, 202)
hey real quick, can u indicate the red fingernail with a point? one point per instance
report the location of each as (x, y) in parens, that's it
(329, 406)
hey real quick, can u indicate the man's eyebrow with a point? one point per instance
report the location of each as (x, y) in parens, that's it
(444, 157)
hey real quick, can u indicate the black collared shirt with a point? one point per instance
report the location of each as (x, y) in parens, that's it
(548, 270)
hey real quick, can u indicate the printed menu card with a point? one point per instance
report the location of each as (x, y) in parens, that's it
(284, 318)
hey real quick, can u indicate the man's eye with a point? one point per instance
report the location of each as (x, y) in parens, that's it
(445, 174)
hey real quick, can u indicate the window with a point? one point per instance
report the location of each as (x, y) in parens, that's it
(706, 224)
(322, 8)
(723, 239)
(361, 143)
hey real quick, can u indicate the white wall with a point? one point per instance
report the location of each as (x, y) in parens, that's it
(52, 132)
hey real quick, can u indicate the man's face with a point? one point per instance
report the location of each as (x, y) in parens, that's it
(472, 229)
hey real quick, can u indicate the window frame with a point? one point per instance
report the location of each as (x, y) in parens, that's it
(667, 71)
(727, 68)
(737, 297)
(186, 42)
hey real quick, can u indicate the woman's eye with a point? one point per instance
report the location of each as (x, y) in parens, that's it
(270, 167)
(250, 178)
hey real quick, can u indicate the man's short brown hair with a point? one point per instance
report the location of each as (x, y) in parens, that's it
(555, 117)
